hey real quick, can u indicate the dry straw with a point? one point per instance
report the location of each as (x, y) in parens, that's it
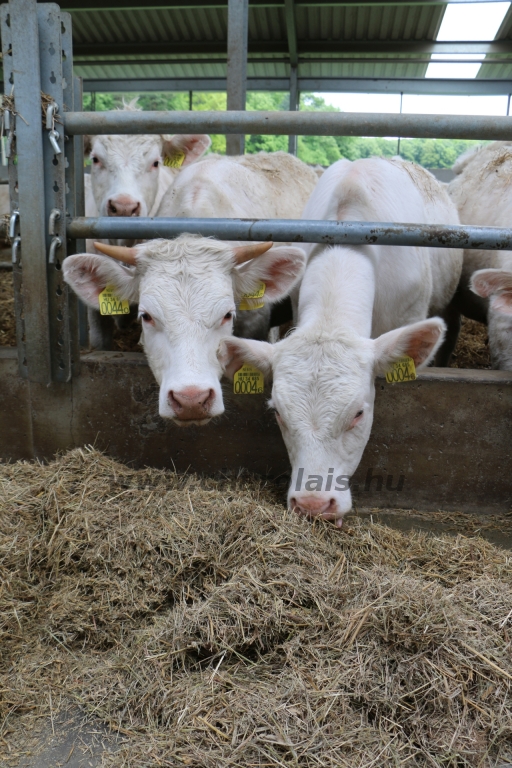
(212, 628)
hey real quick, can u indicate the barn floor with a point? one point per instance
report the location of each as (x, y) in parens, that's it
(196, 622)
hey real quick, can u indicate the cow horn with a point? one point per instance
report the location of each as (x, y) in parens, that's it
(119, 252)
(247, 252)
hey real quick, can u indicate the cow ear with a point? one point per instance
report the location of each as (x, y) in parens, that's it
(233, 353)
(89, 274)
(495, 284)
(280, 269)
(181, 150)
(419, 341)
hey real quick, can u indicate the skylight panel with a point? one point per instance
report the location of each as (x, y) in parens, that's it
(466, 22)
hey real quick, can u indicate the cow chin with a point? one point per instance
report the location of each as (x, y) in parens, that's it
(191, 422)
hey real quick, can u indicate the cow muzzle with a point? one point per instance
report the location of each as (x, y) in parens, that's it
(317, 504)
(192, 405)
(123, 205)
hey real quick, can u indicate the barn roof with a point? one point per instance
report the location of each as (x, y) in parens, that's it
(184, 42)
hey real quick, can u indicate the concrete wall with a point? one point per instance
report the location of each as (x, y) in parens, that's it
(449, 433)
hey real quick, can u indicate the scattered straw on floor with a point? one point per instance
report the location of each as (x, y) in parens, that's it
(213, 628)
(7, 316)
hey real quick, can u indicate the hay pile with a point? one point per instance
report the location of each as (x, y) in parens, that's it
(472, 349)
(212, 628)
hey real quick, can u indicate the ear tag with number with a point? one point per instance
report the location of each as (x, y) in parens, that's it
(248, 380)
(403, 370)
(175, 160)
(110, 304)
(251, 300)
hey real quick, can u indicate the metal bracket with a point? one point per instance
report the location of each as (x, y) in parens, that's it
(56, 243)
(15, 217)
(53, 135)
(16, 245)
(54, 217)
(51, 111)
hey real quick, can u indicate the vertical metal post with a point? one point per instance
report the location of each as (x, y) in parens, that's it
(55, 50)
(23, 21)
(294, 106)
(13, 191)
(401, 103)
(238, 31)
(78, 246)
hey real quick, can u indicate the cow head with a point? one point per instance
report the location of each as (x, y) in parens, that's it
(188, 291)
(323, 394)
(496, 285)
(126, 170)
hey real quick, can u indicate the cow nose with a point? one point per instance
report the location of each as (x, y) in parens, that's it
(313, 504)
(191, 403)
(123, 205)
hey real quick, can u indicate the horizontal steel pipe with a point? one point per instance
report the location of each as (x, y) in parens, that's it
(293, 230)
(291, 123)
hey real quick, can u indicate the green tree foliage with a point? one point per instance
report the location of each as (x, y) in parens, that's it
(317, 150)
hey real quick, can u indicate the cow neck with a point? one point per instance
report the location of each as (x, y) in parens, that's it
(337, 292)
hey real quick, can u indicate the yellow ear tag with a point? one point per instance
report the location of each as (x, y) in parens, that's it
(176, 160)
(248, 380)
(250, 300)
(403, 370)
(110, 304)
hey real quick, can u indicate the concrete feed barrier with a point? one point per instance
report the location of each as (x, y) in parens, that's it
(443, 441)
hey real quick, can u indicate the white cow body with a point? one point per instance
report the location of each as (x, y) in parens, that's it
(187, 290)
(260, 186)
(356, 305)
(482, 191)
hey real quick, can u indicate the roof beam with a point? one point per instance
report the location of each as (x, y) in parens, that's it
(327, 85)
(119, 5)
(304, 47)
(291, 31)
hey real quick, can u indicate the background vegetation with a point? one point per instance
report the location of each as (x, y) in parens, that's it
(321, 150)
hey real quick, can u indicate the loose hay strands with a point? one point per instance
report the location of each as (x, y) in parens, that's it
(213, 628)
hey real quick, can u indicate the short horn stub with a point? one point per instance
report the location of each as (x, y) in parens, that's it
(119, 252)
(247, 252)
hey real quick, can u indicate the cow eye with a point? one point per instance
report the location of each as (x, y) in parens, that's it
(156, 164)
(356, 419)
(146, 317)
(95, 160)
(227, 317)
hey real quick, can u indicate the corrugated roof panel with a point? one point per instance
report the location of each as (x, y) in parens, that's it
(391, 22)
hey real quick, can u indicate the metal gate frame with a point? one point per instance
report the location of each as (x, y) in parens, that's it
(46, 180)
(47, 406)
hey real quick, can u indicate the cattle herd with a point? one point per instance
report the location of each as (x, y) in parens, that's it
(357, 310)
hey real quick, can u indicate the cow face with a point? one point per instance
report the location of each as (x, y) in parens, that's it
(188, 290)
(323, 395)
(125, 170)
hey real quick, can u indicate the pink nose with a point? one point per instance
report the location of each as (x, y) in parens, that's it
(313, 504)
(123, 205)
(192, 403)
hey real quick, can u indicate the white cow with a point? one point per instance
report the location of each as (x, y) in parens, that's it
(129, 174)
(187, 290)
(361, 308)
(262, 186)
(129, 178)
(482, 191)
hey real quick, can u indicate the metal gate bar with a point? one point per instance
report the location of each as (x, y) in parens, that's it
(292, 123)
(298, 231)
